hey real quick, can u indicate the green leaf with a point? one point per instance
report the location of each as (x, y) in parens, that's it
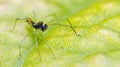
(97, 23)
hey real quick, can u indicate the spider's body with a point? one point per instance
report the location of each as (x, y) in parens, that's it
(38, 25)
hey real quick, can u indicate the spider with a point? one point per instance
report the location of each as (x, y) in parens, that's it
(41, 26)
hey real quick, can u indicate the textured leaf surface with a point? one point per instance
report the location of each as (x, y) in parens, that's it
(96, 21)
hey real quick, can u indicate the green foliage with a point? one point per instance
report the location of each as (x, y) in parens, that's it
(96, 21)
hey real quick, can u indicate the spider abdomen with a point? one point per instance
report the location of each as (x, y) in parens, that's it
(39, 25)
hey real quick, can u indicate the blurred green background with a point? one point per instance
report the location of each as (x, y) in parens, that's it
(97, 21)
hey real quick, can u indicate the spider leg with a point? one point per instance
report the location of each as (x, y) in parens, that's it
(22, 41)
(51, 51)
(51, 15)
(16, 23)
(72, 27)
(70, 24)
(21, 44)
(36, 40)
(34, 14)
(36, 44)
